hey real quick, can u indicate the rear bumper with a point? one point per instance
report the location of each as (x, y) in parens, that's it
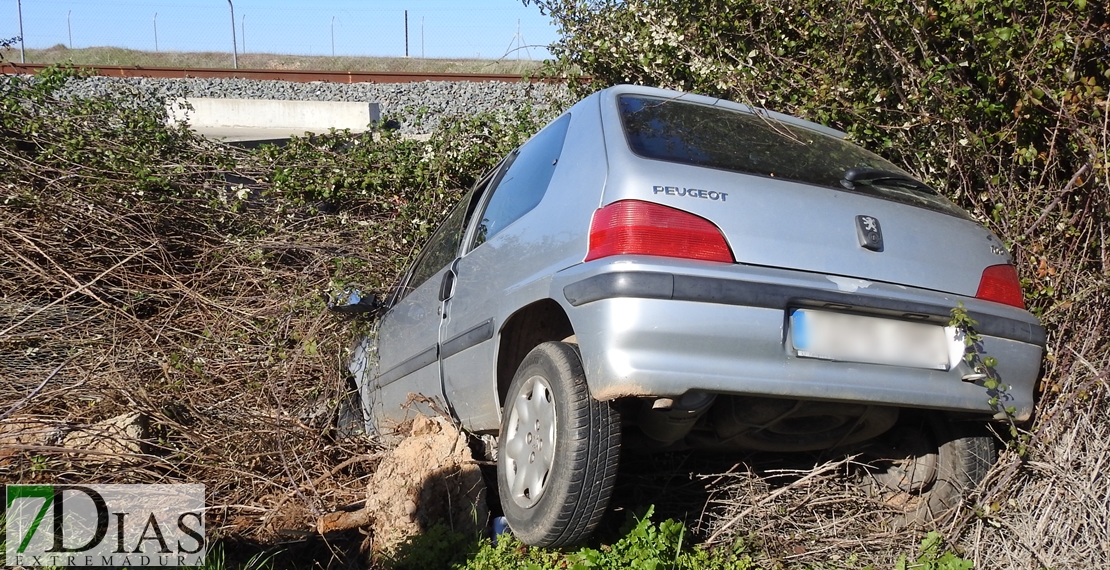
(652, 329)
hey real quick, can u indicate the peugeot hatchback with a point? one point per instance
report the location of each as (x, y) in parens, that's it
(669, 271)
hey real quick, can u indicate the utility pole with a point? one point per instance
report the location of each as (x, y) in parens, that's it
(234, 47)
(518, 41)
(69, 29)
(406, 33)
(156, 31)
(243, 29)
(22, 51)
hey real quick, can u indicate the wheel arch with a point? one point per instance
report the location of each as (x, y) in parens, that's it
(536, 323)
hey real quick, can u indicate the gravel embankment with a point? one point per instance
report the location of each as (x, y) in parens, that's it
(400, 101)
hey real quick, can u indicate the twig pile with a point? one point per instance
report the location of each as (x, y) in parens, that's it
(220, 344)
(161, 316)
(1046, 509)
(1050, 510)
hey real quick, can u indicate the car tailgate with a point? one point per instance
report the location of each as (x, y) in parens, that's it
(779, 223)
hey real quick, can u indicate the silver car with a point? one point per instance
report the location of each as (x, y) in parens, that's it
(669, 271)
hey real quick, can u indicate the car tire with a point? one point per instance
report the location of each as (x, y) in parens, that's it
(924, 469)
(554, 493)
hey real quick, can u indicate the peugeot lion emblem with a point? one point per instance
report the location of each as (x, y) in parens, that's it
(870, 232)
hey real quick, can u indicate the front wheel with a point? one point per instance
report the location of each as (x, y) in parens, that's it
(559, 449)
(925, 468)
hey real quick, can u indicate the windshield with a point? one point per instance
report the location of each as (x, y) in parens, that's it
(715, 137)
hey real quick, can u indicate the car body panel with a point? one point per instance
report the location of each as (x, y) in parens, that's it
(408, 353)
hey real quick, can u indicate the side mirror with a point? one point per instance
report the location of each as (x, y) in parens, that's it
(350, 300)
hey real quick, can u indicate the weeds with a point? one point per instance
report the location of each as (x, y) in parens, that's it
(642, 545)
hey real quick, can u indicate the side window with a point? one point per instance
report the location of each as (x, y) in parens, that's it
(443, 246)
(524, 182)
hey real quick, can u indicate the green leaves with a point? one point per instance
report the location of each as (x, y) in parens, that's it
(934, 557)
(1004, 34)
(643, 545)
(1023, 83)
(102, 141)
(991, 381)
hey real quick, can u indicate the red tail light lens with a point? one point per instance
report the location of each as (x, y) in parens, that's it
(1000, 284)
(632, 227)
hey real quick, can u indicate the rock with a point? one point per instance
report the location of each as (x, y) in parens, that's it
(123, 434)
(17, 432)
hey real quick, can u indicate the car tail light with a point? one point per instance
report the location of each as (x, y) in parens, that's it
(633, 227)
(1000, 284)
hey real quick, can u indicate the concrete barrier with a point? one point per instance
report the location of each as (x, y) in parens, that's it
(252, 119)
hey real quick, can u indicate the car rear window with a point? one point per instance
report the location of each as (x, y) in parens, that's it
(704, 135)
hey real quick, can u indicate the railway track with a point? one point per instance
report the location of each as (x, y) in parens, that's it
(298, 75)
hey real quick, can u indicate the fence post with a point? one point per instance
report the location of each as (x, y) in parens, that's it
(23, 55)
(234, 47)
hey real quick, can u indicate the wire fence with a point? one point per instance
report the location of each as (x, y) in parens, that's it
(430, 29)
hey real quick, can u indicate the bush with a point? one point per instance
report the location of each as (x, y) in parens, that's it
(1001, 105)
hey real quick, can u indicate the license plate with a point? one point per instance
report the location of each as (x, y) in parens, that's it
(853, 338)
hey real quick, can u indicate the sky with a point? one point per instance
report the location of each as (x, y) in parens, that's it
(436, 28)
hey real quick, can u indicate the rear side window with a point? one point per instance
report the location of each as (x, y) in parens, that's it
(727, 139)
(443, 246)
(524, 182)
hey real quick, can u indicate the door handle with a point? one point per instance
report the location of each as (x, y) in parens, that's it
(446, 288)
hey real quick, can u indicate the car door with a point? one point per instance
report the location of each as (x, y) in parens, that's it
(408, 371)
(491, 263)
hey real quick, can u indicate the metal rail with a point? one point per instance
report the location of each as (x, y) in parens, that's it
(298, 75)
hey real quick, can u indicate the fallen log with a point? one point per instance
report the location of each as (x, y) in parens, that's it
(343, 520)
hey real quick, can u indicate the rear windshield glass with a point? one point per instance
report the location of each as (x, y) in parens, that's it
(703, 135)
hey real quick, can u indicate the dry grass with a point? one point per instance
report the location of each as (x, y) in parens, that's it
(786, 510)
(1052, 509)
(111, 304)
(161, 299)
(127, 57)
(1048, 509)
